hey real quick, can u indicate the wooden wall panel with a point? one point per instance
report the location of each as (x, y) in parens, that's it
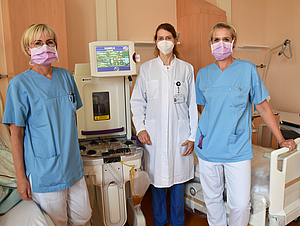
(6, 35)
(18, 15)
(195, 19)
(185, 7)
(189, 28)
(207, 23)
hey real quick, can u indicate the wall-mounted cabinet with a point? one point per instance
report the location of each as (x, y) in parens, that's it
(195, 19)
(16, 16)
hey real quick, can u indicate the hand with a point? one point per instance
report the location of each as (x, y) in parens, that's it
(190, 147)
(144, 137)
(288, 143)
(24, 190)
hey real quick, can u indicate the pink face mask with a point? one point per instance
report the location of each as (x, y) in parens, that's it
(44, 55)
(221, 50)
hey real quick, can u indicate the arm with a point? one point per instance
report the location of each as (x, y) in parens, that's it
(17, 142)
(138, 108)
(193, 114)
(267, 115)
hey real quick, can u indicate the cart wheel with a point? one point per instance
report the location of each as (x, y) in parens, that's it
(297, 219)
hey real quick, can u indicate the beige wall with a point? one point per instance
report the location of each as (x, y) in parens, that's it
(137, 21)
(269, 23)
(283, 77)
(251, 29)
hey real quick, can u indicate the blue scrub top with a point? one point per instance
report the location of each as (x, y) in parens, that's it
(225, 122)
(47, 110)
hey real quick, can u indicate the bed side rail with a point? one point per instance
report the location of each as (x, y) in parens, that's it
(278, 179)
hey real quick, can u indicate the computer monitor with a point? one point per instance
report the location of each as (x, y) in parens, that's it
(112, 58)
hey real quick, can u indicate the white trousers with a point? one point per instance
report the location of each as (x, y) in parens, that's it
(238, 185)
(67, 207)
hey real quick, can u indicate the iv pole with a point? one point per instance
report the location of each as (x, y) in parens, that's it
(283, 45)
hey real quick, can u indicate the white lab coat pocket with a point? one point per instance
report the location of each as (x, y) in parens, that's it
(152, 89)
(151, 130)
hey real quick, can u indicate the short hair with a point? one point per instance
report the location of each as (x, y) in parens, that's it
(222, 25)
(168, 27)
(33, 31)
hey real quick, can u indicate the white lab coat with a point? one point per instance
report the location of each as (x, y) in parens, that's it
(168, 124)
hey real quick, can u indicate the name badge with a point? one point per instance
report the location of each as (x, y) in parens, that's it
(178, 98)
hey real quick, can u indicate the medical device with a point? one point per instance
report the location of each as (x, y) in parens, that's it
(282, 51)
(104, 130)
(104, 88)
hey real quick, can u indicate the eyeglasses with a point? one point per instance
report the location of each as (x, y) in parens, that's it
(39, 43)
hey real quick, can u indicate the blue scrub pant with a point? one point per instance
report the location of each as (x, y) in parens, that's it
(159, 203)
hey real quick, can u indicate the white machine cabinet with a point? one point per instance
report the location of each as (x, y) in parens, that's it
(104, 131)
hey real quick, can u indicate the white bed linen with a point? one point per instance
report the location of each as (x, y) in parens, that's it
(26, 213)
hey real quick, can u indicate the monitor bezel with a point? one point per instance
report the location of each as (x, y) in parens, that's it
(93, 60)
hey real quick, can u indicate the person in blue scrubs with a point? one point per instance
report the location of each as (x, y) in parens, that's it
(225, 92)
(41, 109)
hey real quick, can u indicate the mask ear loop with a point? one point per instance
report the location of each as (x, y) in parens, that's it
(232, 44)
(56, 61)
(30, 63)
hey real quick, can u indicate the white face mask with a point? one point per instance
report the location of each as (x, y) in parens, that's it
(165, 46)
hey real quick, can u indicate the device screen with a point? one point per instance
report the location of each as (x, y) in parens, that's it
(112, 58)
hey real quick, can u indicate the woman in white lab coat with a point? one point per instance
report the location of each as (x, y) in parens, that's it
(165, 116)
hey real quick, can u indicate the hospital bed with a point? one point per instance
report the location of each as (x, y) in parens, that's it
(275, 187)
(26, 213)
(13, 211)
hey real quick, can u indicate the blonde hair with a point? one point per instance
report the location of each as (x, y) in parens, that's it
(168, 27)
(35, 31)
(222, 25)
